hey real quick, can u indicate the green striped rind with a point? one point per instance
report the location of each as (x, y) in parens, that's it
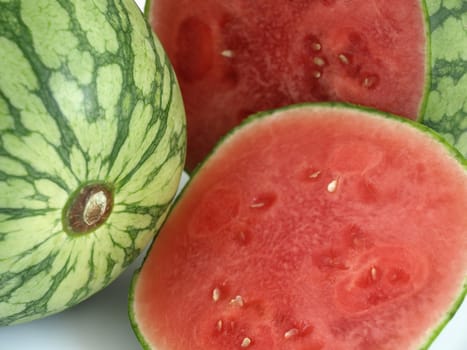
(446, 107)
(87, 95)
(249, 122)
(147, 8)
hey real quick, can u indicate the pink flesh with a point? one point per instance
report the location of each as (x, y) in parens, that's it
(372, 263)
(234, 57)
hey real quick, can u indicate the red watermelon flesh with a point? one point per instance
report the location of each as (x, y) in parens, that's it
(313, 227)
(236, 57)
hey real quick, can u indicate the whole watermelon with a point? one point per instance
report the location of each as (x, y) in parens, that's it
(92, 147)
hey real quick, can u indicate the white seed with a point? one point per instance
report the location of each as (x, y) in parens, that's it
(319, 61)
(257, 205)
(219, 325)
(290, 333)
(227, 53)
(237, 301)
(314, 175)
(343, 58)
(246, 342)
(316, 46)
(332, 186)
(373, 272)
(366, 82)
(316, 74)
(216, 294)
(370, 81)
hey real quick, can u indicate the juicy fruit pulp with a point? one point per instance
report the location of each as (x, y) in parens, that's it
(92, 144)
(315, 227)
(233, 58)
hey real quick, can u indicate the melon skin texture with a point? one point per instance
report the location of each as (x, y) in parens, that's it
(92, 147)
(236, 58)
(316, 226)
(446, 106)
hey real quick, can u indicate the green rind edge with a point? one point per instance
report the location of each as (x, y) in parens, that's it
(449, 315)
(147, 9)
(369, 110)
(131, 314)
(452, 151)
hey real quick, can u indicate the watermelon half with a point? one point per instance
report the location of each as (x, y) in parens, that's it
(234, 58)
(92, 147)
(316, 226)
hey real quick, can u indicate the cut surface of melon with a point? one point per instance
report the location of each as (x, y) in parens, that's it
(312, 227)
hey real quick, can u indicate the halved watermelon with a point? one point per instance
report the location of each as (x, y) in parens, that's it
(233, 58)
(316, 226)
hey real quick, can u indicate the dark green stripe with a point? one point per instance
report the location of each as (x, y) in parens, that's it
(19, 213)
(21, 35)
(127, 101)
(442, 14)
(443, 70)
(33, 307)
(85, 289)
(455, 69)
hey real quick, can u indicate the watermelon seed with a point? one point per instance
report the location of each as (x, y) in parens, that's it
(332, 186)
(319, 61)
(241, 237)
(343, 58)
(216, 294)
(316, 46)
(316, 74)
(314, 175)
(246, 342)
(291, 333)
(370, 81)
(237, 301)
(257, 205)
(227, 53)
(312, 41)
(263, 200)
(373, 273)
(219, 325)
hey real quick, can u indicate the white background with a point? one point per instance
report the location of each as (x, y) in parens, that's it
(101, 323)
